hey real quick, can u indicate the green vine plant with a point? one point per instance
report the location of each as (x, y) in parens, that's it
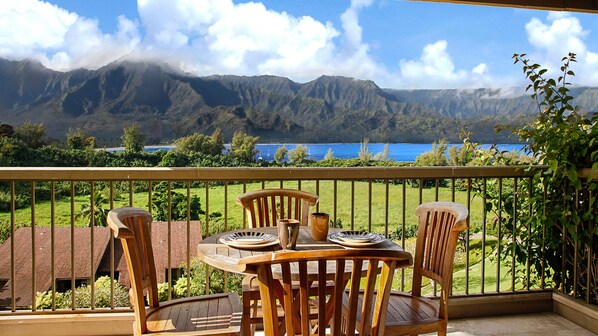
(557, 231)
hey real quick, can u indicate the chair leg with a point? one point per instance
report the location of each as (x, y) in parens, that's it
(246, 319)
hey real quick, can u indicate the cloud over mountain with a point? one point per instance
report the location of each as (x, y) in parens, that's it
(206, 37)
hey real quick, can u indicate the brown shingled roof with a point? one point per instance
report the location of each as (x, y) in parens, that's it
(160, 246)
(62, 259)
(82, 256)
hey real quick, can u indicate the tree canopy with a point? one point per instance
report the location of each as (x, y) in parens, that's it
(133, 139)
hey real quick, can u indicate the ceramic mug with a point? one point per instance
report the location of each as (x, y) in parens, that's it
(288, 232)
(319, 225)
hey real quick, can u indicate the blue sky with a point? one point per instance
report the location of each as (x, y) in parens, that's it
(398, 44)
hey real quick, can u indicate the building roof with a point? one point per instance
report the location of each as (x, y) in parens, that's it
(83, 256)
(590, 6)
(43, 252)
(178, 242)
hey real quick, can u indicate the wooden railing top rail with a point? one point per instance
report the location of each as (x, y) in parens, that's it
(256, 173)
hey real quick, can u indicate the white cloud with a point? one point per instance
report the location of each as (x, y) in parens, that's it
(480, 69)
(350, 22)
(218, 36)
(554, 38)
(29, 27)
(436, 69)
(60, 39)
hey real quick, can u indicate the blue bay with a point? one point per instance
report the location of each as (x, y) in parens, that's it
(406, 152)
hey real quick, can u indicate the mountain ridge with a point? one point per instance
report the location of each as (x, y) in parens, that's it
(168, 104)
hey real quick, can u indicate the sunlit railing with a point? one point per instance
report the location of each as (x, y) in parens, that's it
(367, 198)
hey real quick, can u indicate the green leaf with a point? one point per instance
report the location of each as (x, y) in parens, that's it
(572, 174)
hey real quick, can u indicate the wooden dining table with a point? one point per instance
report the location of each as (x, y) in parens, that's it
(225, 257)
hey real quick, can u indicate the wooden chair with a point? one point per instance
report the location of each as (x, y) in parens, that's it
(329, 312)
(437, 234)
(264, 208)
(218, 314)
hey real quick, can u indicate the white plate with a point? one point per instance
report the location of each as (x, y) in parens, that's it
(249, 239)
(355, 238)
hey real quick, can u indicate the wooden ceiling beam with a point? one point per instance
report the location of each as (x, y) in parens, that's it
(588, 6)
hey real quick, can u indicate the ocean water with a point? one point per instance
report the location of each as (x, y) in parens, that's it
(406, 152)
(396, 152)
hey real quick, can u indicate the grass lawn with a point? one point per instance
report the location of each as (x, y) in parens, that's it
(473, 276)
(362, 217)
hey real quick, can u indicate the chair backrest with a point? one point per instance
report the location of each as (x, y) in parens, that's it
(437, 235)
(275, 269)
(264, 207)
(132, 227)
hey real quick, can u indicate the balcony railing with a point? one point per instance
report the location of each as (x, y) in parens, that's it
(56, 204)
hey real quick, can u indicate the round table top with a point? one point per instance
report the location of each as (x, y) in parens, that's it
(225, 257)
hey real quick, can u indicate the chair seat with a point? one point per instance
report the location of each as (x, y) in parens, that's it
(202, 315)
(406, 312)
(403, 308)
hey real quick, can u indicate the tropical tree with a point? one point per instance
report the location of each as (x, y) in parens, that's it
(435, 157)
(178, 204)
(329, 154)
(364, 154)
(298, 155)
(281, 153)
(200, 143)
(242, 147)
(33, 135)
(13, 152)
(133, 139)
(97, 212)
(6, 130)
(216, 142)
(191, 143)
(464, 155)
(78, 139)
(383, 156)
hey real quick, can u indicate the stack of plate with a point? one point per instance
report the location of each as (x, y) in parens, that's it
(355, 238)
(249, 239)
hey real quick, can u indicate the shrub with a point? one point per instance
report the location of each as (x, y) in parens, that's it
(197, 285)
(397, 233)
(102, 296)
(564, 139)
